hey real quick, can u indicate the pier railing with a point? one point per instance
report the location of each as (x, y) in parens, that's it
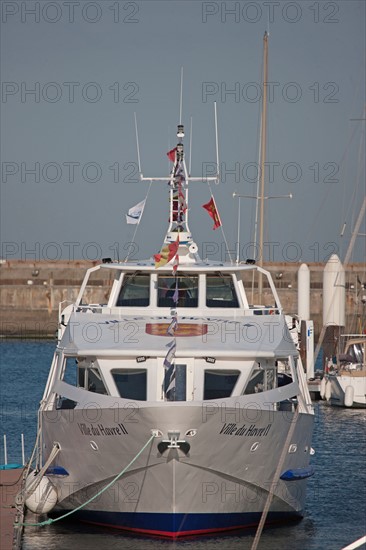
(10, 465)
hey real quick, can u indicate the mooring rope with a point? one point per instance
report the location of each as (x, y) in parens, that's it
(116, 478)
(275, 479)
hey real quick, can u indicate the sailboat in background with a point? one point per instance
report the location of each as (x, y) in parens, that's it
(344, 384)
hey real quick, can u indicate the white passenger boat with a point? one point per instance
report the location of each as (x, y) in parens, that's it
(345, 382)
(178, 361)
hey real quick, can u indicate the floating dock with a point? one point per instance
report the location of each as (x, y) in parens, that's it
(12, 508)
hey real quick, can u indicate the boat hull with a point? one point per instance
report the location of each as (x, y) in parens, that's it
(218, 481)
(348, 391)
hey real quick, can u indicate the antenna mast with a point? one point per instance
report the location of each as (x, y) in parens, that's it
(190, 148)
(138, 147)
(181, 96)
(217, 146)
(179, 179)
(263, 159)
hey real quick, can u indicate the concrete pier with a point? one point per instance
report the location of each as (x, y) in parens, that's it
(31, 291)
(11, 510)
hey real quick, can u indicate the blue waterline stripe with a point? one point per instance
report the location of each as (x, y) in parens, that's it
(176, 523)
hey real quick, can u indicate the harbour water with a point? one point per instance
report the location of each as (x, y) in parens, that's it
(335, 513)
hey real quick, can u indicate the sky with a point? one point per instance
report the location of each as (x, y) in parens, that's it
(75, 72)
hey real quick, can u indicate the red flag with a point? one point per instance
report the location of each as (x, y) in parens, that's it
(171, 154)
(167, 253)
(213, 212)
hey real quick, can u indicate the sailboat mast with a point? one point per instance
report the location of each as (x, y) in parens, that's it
(355, 232)
(263, 159)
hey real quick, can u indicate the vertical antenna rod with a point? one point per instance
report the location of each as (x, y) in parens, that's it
(238, 237)
(217, 144)
(190, 148)
(263, 159)
(181, 96)
(138, 146)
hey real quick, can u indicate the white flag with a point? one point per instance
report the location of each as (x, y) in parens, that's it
(135, 213)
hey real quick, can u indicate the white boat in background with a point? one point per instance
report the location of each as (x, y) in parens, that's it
(345, 383)
(178, 405)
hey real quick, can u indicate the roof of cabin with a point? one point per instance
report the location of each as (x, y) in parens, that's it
(112, 335)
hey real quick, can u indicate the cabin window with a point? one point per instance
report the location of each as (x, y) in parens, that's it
(220, 291)
(270, 378)
(355, 353)
(131, 383)
(135, 291)
(83, 374)
(81, 377)
(70, 370)
(98, 287)
(219, 383)
(93, 381)
(175, 383)
(256, 382)
(262, 380)
(179, 291)
(283, 379)
(65, 403)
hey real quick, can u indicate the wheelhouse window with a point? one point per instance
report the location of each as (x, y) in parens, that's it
(89, 376)
(98, 287)
(80, 373)
(93, 380)
(131, 383)
(219, 383)
(220, 291)
(179, 291)
(270, 378)
(175, 383)
(262, 379)
(135, 291)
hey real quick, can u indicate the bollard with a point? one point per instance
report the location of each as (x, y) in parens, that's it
(23, 455)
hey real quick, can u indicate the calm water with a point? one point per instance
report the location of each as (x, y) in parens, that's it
(335, 513)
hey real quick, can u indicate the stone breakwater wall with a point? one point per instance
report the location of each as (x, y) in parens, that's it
(30, 293)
